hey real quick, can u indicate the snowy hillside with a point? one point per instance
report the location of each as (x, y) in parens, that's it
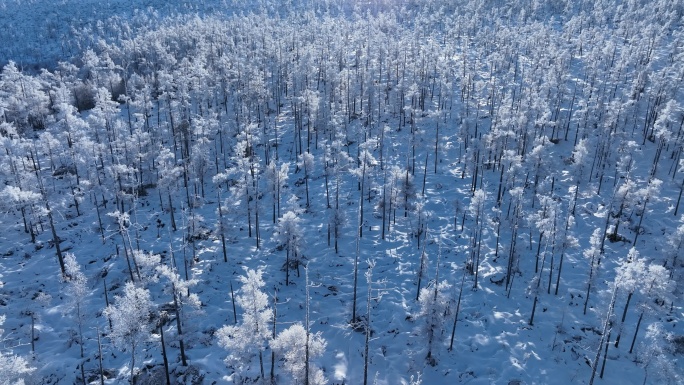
(40, 33)
(342, 192)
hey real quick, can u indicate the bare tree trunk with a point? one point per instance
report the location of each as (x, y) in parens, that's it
(133, 361)
(221, 229)
(636, 331)
(356, 261)
(421, 269)
(624, 316)
(605, 355)
(179, 326)
(458, 308)
(534, 308)
(306, 358)
(273, 336)
(232, 296)
(163, 344)
(33, 333)
(606, 325)
(369, 279)
(99, 357)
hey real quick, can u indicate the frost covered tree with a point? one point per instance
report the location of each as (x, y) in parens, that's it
(23, 99)
(12, 367)
(539, 156)
(16, 198)
(623, 197)
(335, 161)
(422, 265)
(366, 163)
(147, 263)
(593, 254)
(243, 178)
(130, 318)
(296, 342)
(434, 307)
(675, 243)
(579, 156)
(202, 130)
(386, 199)
(72, 130)
(419, 221)
(276, 177)
(545, 219)
(168, 176)
(646, 194)
(337, 220)
(368, 330)
(76, 291)
(182, 300)
(123, 222)
(477, 212)
(516, 200)
(289, 235)
(605, 332)
(306, 162)
(290, 344)
(251, 336)
(567, 240)
(662, 131)
(655, 290)
(630, 276)
(655, 356)
(222, 212)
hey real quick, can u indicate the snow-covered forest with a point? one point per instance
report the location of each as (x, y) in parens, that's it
(342, 192)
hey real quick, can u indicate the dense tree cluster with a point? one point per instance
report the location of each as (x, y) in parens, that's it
(558, 127)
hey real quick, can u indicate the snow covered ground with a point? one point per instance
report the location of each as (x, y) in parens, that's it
(494, 341)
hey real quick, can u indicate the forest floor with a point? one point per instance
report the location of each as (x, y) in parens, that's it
(494, 342)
